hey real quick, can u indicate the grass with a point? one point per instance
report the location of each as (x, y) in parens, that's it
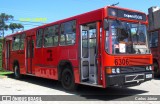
(3, 72)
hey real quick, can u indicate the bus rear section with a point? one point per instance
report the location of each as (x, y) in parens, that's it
(154, 32)
(102, 48)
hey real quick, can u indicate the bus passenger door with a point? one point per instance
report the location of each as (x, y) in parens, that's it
(7, 55)
(89, 52)
(30, 54)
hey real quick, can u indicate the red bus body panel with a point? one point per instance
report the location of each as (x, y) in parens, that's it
(45, 60)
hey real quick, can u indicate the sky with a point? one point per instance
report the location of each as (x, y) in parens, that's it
(38, 12)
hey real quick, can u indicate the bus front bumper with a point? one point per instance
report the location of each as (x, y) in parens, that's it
(128, 80)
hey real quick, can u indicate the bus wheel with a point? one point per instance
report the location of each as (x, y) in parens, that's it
(68, 79)
(156, 69)
(17, 72)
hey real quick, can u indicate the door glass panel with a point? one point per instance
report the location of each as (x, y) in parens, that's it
(92, 44)
(32, 46)
(89, 52)
(28, 48)
(85, 44)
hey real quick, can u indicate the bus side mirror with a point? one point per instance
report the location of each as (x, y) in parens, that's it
(106, 24)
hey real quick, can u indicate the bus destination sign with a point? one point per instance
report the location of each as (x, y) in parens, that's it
(126, 14)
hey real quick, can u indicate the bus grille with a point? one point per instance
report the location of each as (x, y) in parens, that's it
(132, 69)
(133, 78)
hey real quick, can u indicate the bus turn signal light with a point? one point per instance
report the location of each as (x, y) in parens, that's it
(108, 70)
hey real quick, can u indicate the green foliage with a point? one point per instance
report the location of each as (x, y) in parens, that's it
(3, 26)
(3, 73)
(1, 40)
(5, 17)
(14, 26)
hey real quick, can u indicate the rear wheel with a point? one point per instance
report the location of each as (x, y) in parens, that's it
(17, 72)
(68, 80)
(156, 69)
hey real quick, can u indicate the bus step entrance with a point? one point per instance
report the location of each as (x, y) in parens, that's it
(89, 76)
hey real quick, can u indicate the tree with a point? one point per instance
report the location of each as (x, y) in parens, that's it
(3, 18)
(14, 26)
(3, 26)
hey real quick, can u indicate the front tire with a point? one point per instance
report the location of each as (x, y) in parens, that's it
(68, 80)
(17, 74)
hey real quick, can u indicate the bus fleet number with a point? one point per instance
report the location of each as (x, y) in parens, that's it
(121, 61)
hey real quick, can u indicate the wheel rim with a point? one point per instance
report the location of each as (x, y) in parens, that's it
(67, 79)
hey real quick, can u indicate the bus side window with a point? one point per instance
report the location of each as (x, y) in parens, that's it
(22, 42)
(39, 37)
(51, 36)
(154, 39)
(68, 33)
(16, 43)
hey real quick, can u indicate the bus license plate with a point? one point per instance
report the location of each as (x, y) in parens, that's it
(148, 75)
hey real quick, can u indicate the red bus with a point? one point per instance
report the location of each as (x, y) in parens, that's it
(154, 32)
(103, 48)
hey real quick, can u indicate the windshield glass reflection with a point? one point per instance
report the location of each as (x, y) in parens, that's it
(126, 38)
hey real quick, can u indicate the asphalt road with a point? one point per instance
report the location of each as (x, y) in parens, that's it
(30, 85)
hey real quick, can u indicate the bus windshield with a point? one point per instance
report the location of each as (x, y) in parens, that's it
(126, 38)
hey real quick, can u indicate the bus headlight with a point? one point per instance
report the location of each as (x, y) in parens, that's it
(149, 68)
(118, 70)
(113, 71)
